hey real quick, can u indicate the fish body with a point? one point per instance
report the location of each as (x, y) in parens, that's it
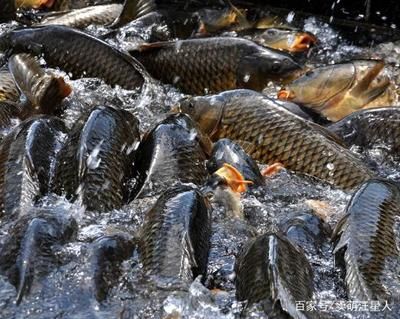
(212, 65)
(77, 53)
(172, 152)
(226, 151)
(271, 134)
(366, 242)
(44, 90)
(27, 157)
(96, 159)
(271, 270)
(175, 238)
(106, 255)
(368, 128)
(337, 90)
(27, 251)
(81, 18)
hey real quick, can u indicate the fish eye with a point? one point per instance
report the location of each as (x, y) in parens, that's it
(271, 32)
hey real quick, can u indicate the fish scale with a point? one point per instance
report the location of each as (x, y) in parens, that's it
(101, 185)
(270, 134)
(211, 65)
(170, 153)
(24, 169)
(66, 48)
(175, 238)
(8, 89)
(366, 242)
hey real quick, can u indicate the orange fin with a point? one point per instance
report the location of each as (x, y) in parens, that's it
(233, 177)
(272, 169)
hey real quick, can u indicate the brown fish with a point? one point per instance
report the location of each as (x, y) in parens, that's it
(271, 134)
(44, 89)
(335, 91)
(8, 89)
(212, 65)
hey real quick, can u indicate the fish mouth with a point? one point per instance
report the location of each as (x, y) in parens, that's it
(233, 178)
(303, 42)
(285, 95)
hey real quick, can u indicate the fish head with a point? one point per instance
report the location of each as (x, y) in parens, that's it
(205, 111)
(317, 86)
(257, 70)
(286, 39)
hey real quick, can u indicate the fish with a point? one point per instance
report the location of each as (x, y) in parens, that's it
(271, 270)
(337, 90)
(174, 151)
(7, 112)
(106, 255)
(8, 89)
(369, 128)
(27, 157)
(305, 230)
(365, 242)
(227, 151)
(43, 89)
(174, 241)
(27, 252)
(271, 134)
(115, 14)
(77, 53)
(213, 65)
(286, 39)
(95, 162)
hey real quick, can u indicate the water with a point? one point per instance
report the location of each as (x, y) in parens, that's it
(66, 291)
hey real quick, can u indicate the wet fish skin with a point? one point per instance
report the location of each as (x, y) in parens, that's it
(96, 159)
(44, 89)
(367, 128)
(285, 39)
(270, 269)
(77, 53)
(366, 242)
(271, 134)
(174, 151)
(227, 151)
(175, 237)
(306, 230)
(106, 255)
(212, 65)
(7, 112)
(28, 249)
(27, 156)
(336, 91)
(81, 18)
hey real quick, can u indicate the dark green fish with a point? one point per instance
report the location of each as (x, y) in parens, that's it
(368, 128)
(366, 243)
(43, 89)
(27, 250)
(305, 230)
(271, 134)
(271, 270)
(212, 65)
(106, 255)
(97, 157)
(226, 151)
(172, 152)
(77, 53)
(27, 157)
(175, 238)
